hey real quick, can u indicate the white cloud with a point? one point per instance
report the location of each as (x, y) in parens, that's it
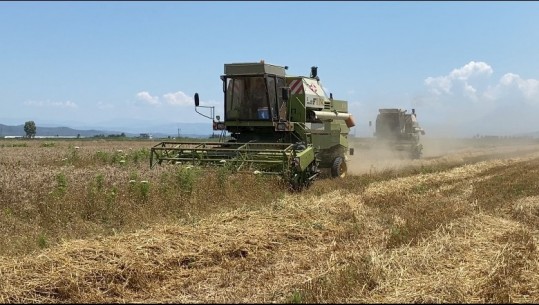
(472, 101)
(509, 78)
(145, 97)
(470, 70)
(528, 87)
(512, 86)
(472, 82)
(439, 85)
(178, 98)
(48, 103)
(460, 80)
(34, 103)
(67, 104)
(470, 92)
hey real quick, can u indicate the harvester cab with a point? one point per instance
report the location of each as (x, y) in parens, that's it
(277, 124)
(400, 130)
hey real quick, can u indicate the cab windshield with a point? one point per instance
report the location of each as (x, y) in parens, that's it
(253, 98)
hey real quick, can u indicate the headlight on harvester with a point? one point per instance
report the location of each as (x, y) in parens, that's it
(219, 126)
(283, 126)
(296, 163)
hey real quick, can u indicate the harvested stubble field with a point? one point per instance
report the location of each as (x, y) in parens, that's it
(89, 222)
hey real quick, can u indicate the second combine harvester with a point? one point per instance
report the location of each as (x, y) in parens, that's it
(399, 131)
(278, 124)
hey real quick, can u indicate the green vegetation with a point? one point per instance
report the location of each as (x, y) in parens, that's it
(30, 129)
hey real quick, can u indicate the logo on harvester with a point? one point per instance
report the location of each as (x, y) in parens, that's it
(313, 87)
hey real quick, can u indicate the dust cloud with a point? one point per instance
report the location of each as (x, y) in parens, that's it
(372, 157)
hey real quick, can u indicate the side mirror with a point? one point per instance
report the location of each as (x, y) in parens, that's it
(197, 100)
(285, 93)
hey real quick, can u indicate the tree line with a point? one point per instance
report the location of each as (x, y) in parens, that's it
(30, 129)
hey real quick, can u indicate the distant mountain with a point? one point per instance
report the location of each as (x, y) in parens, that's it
(6, 130)
(165, 128)
(130, 129)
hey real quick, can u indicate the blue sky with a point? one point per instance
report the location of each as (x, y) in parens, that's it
(96, 63)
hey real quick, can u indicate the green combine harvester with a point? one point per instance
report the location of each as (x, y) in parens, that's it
(399, 131)
(274, 124)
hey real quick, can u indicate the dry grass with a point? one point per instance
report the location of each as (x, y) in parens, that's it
(79, 189)
(434, 231)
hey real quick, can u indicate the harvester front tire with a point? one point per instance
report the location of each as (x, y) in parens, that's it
(416, 152)
(339, 168)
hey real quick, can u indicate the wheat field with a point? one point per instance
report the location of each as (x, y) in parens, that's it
(87, 221)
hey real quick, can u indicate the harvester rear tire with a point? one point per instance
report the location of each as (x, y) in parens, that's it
(339, 168)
